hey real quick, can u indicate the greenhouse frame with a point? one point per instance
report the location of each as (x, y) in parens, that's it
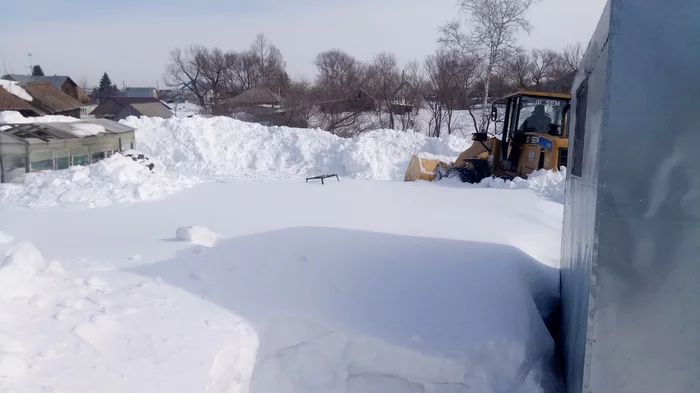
(31, 147)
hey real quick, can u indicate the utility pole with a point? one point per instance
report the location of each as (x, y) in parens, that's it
(31, 67)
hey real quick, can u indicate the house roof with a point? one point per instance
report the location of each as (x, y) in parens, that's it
(56, 80)
(257, 96)
(152, 109)
(139, 91)
(50, 98)
(148, 106)
(9, 101)
(32, 133)
(124, 101)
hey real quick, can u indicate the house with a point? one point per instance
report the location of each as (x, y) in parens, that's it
(12, 102)
(29, 147)
(51, 100)
(141, 92)
(117, 108)
(359, 101)
(258, 104)
(65, 83)
(405, 100)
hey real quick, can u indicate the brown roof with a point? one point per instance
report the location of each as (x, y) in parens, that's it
(49, 98)
(257, 96)
(9, 101)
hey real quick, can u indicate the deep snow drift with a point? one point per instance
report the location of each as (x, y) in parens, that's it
(225, 146)
(276, 286)
(117, 179)
(16, 117)
(354, 286)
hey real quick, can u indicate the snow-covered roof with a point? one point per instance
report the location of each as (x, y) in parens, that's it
(15, 89)
(56, 80)
(63, 130)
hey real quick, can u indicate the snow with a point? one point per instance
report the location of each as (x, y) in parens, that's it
(87, 129)
(229, 147)
(185, 109)
(117, 179)
(5, 238)
(352, 286)
(281, 286)
(16, 117)
(15, 89)
(197, 235)
(549, 184)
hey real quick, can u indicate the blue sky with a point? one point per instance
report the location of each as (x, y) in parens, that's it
(131, 39)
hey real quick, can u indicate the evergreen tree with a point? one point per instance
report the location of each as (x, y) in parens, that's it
(106, 87)
(37, 71)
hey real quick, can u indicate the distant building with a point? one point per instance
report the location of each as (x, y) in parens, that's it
(117, 108)
(141, 92)
(258, 104)
(51, 100)
(65, 83)
(30, 147)
(11, 102)
(405, 100)
(358, 102)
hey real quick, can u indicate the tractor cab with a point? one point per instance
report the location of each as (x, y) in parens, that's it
(534, 132)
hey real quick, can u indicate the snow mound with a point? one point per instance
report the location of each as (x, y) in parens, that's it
(16, 117)
(5, 238)
(546, 183)
(11, 366)
(86, 129)
(15, 89)
(117, 179)
(197, 235)
(17, 271)
(225, 146)
(378, 312)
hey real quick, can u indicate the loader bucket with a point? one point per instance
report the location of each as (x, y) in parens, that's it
(425, 168)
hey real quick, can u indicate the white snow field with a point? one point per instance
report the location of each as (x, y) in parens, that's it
(273, 286)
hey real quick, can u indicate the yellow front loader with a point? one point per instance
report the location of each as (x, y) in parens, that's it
(534, 137)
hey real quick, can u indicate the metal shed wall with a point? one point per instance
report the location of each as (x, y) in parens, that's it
(631, 242)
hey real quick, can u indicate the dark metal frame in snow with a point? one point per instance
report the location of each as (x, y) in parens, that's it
(322, 177)
(630, 271)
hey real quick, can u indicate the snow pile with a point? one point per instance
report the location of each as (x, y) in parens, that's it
(21, 264)
(16, 117)
(197, 235)
(287, 300)
(547, 183)
(117, 179)
(5, 238)
(185, 109)
(343, 311)
(15, 89)
(225, 146)
(87, 129)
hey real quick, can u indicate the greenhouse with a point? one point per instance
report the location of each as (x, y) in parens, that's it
(30, 147)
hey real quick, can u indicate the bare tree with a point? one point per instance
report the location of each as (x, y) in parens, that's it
(298, 103)
(571, 57)
(383, 81)
(518, 71)
(338, 91)
(494, 26)
(185, 70)
(543, 65)
(451, 79)
(215, 65)
(268, 64)
(411, 93)
(83, 83)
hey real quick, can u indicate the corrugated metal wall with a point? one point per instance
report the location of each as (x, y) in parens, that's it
(631, 244)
